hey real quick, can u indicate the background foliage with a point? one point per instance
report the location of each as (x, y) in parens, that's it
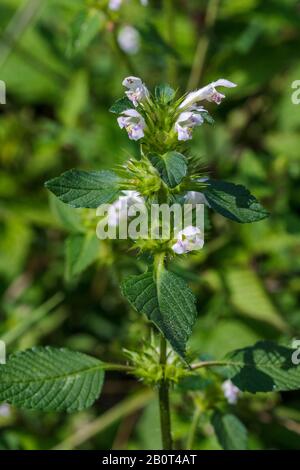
(63, 71)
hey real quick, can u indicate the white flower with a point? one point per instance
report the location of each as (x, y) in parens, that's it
(188, 239)
(231, 392)
(5, 410)
(119, 208)
(137, 91)
(208, 93)
(115, 4)
(133, 122)
(129, 39)
(187, 121)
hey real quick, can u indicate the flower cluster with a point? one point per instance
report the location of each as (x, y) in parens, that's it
(162, 122)
(188, 114)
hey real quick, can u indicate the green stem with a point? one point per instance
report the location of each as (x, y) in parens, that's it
(193, 429)
(164, 404)
(202, 46)
(199, 365)
(120, 367)
(125, 408)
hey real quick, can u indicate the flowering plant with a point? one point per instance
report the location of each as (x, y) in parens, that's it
(164, 173)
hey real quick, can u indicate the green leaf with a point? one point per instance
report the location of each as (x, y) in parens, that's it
(234, 202)
(250, 298)
(169, 304)
(85, 188)
(231, 433)
(264, 367)
(164, 94)
(172, 167)
(81, 251)
(85, 27)
(51, 379)
(121, 105)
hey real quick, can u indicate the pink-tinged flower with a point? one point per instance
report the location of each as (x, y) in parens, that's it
(187, 121)
(133, 122)
(129, 39)
(188, 239)
(119, 209)
(231, 392)
(208, 93)
(137, 91)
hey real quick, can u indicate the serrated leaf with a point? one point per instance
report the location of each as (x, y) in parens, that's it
(81, 251)
(86, 189)
(250, 298)
(230, 431)
(172, 167)
(264, 367)
(164, 93)
(51, 379)
(121, 105)
(169, 304)
(234, 201)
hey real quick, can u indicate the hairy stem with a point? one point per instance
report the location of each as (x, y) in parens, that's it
(164, 404)
(200, 365)
(202, 46)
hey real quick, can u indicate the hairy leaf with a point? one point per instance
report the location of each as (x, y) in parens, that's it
(121, 105)
(51, 379)
(234, 202)
(85, 188)
(172, 167)
(264, 367)
(164, 93)
(169, 303)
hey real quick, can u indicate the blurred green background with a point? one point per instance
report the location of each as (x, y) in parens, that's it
(63, 67)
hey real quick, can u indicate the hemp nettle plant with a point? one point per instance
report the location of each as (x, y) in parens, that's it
(54, 379)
